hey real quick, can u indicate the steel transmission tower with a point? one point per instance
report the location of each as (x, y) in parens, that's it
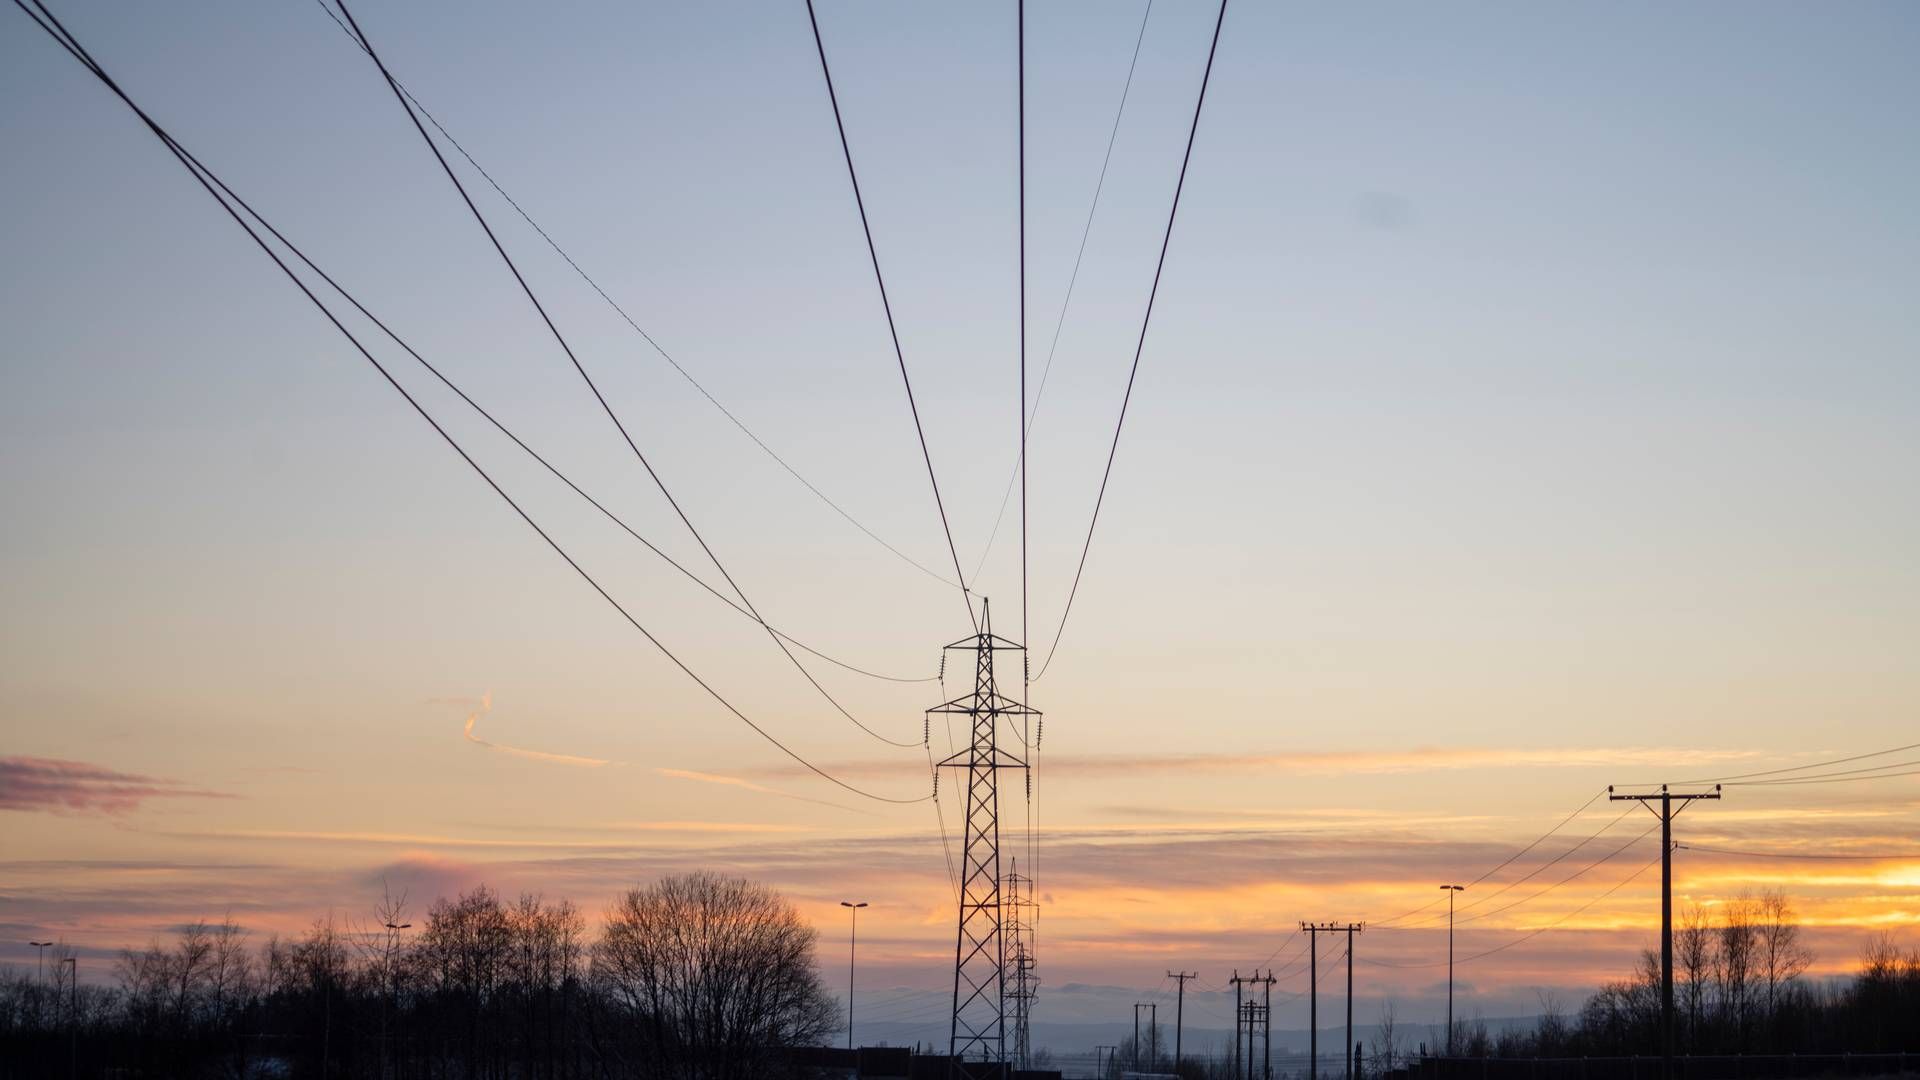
(1018, 897)
(981, 948)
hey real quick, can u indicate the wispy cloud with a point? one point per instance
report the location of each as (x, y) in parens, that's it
(51, 784)
(486, 706)
(747, 785)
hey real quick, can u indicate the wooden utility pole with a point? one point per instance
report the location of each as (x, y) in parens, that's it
(1313, 932)
(1180, 1010)
(1665, 813)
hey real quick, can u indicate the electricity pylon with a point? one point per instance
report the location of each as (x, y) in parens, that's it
(1666, 814)
(979, 1028)
(1017, 891)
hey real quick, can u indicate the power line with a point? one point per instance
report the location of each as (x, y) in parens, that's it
(1531, 934)
(1141, 346)
(1529, 875)
(1835, 777)
(1802, 768)
(1508, 861)
(1884, 856)
(1072, 280)
(51, 24)
(900, 355)
(622, 312)
(498, 425)
(605, 405)
(1608, 857)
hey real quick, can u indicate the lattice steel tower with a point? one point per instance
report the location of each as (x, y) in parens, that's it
(1017, 895)
(979, 1029)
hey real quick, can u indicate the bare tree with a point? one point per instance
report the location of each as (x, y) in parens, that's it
(1782, 955)
(1386, 1048)
(1734, 967)
(712, 973)
(1693, 946)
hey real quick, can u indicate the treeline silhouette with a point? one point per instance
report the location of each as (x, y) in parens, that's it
(1739, 988)
(700, 977)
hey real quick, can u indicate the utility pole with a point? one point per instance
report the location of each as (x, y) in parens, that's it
(1097, 1061)
(1266, 1027)
(1137, 1006)
(1666, 814)
(979, 1027)
(1452, 892)
(1351, 928)
(1313, 932)
(1180, 1011)
(73, 1014)
(1239, 1015)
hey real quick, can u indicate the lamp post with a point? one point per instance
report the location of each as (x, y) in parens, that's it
(40, 967)
(387, 1003)
(853, 939)
(73, 1014)
(1452, 891)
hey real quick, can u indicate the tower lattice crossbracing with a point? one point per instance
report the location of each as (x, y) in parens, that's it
(983, 950)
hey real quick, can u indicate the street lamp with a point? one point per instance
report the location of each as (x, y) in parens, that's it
(853, 939)
(40, 967)
(73, 1014)
(1452, 891)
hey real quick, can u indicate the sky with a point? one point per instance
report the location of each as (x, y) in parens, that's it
(1530, 404)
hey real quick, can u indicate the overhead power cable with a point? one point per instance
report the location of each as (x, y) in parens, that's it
(629, 320)
(1529, 936)
(1140, 347)
(606, 406)
(1885, 856)
(51, 24)
(873, 253)
(1803, 768)
(1386, 923)
(1524, 878)
(1072, 280)
(1878, 773)
(1608, 857)
(498, 425)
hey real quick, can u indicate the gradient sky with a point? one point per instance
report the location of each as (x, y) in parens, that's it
(1533, 404)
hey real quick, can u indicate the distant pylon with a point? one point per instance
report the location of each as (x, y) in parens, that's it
(1017, 898)
(979, 1028)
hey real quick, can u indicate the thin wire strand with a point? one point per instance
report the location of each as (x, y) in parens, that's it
(498, 425)
(629, 320)
(53, 27)
(1802, 768)
(1527, 936)
(873, 253)
(1508, 861)
(1882, 857)
(605, 405)
(1040, 391)
(1147, 320)
(1821, 778)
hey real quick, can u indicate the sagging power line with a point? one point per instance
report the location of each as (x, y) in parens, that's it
(214, 187)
